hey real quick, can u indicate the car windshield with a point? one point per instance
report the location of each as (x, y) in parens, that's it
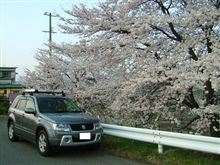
(57, 105)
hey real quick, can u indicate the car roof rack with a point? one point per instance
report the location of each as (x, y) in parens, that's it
(41, 91)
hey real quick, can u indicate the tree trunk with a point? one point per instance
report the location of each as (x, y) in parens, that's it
(215, 123)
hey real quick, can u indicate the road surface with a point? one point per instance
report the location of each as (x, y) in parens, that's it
(26, 153)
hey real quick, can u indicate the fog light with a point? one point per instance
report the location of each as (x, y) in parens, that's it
(67, 140)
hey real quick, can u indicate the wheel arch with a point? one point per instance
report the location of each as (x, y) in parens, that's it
(40, 127)
(10, 119)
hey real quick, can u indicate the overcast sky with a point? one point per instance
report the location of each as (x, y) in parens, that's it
(22, 23)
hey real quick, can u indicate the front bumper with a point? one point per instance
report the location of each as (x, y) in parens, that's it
(67, 140)
(72, 139)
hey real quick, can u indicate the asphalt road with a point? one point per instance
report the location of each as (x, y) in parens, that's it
(26, 153)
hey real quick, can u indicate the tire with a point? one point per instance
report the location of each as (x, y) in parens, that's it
(43, 143)
(11, 133)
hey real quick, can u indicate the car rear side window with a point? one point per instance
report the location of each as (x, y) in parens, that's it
(15, 103)
(21, 104)
(30, 104)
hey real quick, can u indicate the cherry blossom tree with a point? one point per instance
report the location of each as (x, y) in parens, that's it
(143, 61)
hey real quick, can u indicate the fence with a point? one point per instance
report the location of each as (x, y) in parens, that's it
(193, 142)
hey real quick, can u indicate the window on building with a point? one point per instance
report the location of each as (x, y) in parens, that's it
(5, 74)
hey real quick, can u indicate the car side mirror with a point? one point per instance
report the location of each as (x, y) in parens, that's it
(29, 111)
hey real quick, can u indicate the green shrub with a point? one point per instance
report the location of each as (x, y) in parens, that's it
(4, 105)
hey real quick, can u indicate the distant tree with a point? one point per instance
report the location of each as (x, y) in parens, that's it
(161, 56)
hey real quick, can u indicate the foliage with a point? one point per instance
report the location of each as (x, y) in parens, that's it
(140, 61)
(4, 105)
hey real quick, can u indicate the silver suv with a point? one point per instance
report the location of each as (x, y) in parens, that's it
(48, 118)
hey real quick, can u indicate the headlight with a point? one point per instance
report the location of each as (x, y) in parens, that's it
(61, 127)
(98, 125)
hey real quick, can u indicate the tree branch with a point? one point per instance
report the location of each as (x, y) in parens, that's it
(192, 54)
(184, 3)
(121, 31)
(165, 33)
(70, 79)
(207, 30)
(164, 9)
(190, 122)
(209, 93)
(157, 56)
(217, 4)
(178, 37)
(190, 100)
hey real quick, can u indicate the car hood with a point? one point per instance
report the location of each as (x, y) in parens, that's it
(70, 118)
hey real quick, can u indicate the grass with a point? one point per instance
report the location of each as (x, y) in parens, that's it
(148, 153)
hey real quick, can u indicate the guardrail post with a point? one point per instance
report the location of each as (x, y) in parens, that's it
(160, 148)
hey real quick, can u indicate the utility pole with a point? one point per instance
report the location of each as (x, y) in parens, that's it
(50, 30)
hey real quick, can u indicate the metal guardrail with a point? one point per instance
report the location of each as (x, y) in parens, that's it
(187, 141)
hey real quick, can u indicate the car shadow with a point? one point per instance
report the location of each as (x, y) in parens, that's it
(78, 151)
(75, 151)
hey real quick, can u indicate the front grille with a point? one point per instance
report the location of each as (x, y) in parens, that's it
(76, 138)
(81, 127)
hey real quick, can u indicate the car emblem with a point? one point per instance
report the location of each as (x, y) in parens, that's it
(83, 127)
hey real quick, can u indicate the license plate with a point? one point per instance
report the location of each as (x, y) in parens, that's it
(85, 136)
